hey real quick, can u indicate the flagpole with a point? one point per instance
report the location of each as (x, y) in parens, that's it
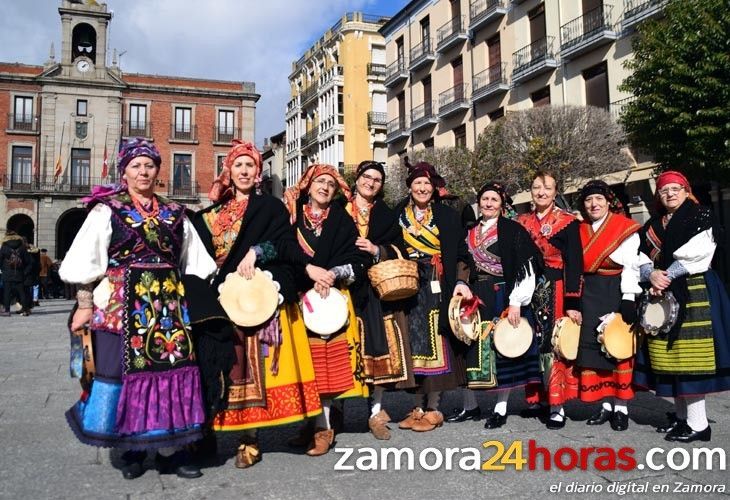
(105, 161)
(58, 168)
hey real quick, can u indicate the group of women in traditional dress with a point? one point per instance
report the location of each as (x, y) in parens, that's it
(172, 368)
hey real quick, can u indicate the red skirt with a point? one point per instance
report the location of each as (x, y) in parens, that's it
(596, 385)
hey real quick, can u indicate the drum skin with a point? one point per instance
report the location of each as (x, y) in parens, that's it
(512, 342)
(324, 316)
(618, 339)
(566, 335)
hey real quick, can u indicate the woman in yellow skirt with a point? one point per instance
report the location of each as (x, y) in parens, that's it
(258, 376)
(326, 234)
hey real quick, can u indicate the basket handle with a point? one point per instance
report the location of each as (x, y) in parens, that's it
(397, 251)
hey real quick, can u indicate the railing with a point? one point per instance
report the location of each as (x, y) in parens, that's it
(23, 123)
(449, 31)
(308, 93)
(225, 134)
(377, 118)
(136, 129)
(493, 75)
(635, 7)
(78, 185)
(183, 190)
(592, 22)
(452, 98)
(183, 132)
(376, 69)
(616, 108)
(395, 68)
(310, 136)
(292, 105)
(421, 51)
(396, 126)
(421, 114)
(482, 8)
(537, 51)
(330, 75)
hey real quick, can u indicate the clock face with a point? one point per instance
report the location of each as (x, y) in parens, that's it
(83, 66)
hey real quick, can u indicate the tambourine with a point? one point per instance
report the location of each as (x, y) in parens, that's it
(616, 338)
(566, 334)
(249, 302)
(509, 341)
(658, 314)
(324, 316)
(465, 327)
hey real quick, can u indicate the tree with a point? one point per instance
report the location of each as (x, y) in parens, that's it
(681, 80)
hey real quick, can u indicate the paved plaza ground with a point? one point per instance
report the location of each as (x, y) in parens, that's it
(41, 458)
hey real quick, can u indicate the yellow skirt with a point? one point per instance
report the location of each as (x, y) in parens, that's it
(291, 394)
(338, 362)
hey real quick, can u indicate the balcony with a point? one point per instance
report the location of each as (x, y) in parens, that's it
(453, 100)
(533, 60)
(396, 129)
(424, 115)
(183, 132)
(23, 124)
(329, 78)
(483, 12)
(396, 72)
(292, 107)
(451, 34)
(224, 135)
(638, 11)
(77, 186)
(137, 129)
(377, 120)
(490, 82)
(310, 137)
(377, 70)
(422, 54)
(308, 95)
(587, 32)
(183, 190)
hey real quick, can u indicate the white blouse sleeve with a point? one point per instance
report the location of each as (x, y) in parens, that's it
(696, 255)
(627, 255)
(521, 294)
(87, 259)
(195, 259)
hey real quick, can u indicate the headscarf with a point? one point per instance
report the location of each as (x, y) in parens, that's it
(369, 165)
(127, 152)
(137, 147)
(425, 169)
(222, 185)
(292, 194)
(602, 188)
(670, 177)
(507, 208)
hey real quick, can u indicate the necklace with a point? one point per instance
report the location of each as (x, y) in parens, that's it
(146, 214)
(314, 220)
(418, 218)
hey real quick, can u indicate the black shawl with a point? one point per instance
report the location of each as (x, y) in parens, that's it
(516, 250)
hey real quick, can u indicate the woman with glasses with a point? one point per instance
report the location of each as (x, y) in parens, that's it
(327, 235)
(386, 347)
(693, 358)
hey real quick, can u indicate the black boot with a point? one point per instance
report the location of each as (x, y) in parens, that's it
(132, 467)
(178, 463)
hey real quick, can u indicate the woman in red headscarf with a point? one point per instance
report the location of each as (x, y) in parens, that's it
(692, 358)
(326, 234)
(432, 235)
(264, 374)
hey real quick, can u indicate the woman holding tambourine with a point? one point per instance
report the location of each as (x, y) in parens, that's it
(692, 358)
(611, 276)
(505, 262)
(330, 263)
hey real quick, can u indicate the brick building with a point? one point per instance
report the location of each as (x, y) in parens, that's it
(74, 111)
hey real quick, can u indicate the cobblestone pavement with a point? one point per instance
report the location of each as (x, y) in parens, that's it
(42, 459)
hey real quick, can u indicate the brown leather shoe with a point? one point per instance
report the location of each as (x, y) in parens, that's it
(378, 425)
(413, 417)
(322, 442)
(304, 435)
(247, 455)
(429, 421)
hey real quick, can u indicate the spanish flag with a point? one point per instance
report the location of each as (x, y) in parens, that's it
(59, 169)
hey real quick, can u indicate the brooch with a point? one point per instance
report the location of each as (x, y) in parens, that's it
(546, 229)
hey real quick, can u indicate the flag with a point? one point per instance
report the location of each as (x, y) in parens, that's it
(59, 169)
(105, 165)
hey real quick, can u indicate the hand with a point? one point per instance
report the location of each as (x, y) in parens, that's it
(366, 245)
(628, 311)
(576, 316)
(247, 267)
(322, 290)
(320, 275)
(659, 279)
(463, 290)
(81, 318)
(513, 315)
(657, 293)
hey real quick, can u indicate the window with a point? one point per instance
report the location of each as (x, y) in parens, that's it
(183, 124)
(22, 164)
(182, 174)
(496, 114)
(219, 161)
(137, 121)
(426, 33)
(80, 168)
(596, 82)
(23, 113)
(81, 107)
(225, 131)
(428, 144)
(400, 51)
(494, 51)
(460, 136)
(540, 97)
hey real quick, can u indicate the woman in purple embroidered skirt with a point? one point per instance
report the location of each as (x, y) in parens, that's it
(127, 259)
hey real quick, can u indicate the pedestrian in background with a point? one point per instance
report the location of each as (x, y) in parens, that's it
(45, 268)
(14, 260)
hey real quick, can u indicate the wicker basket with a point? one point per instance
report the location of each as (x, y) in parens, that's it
(395, 279)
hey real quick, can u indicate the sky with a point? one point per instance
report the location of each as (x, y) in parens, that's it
(240, 40)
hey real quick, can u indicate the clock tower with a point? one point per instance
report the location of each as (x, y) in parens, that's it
(84, 27)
